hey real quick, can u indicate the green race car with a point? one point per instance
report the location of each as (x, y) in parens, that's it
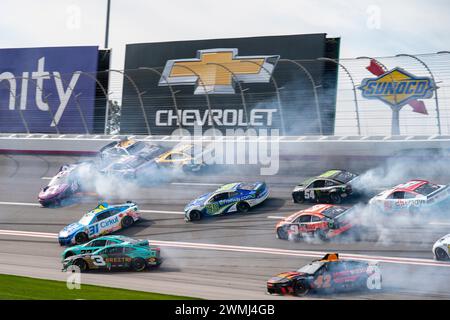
(330, 187)
(131, 254)
(99, 243)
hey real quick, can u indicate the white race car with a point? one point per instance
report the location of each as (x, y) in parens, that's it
(411, 197)
(441, 249)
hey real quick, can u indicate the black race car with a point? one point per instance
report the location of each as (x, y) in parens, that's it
(330, 187)
(330, 274)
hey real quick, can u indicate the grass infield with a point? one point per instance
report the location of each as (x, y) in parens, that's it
(24, 288)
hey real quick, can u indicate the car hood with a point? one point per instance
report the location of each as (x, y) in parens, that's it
(70, 229)
(286, 276)
(50, 192)
(444, 240)
(200, 201)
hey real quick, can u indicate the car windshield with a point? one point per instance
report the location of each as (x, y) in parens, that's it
(344, 176)
(87, 219)
(306, 182)
(59, 179)
(427, 188)
(311, 268)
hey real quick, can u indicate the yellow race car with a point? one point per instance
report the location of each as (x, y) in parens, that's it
(186, 156)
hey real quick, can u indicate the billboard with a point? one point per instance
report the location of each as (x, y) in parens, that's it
(234, 83)
(44, 89)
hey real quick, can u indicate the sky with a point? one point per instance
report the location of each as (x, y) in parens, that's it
(375, 28)
(371, 28)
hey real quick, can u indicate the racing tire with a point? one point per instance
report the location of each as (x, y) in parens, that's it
(321, 235)
(298, 198)
(335, 198)
(138, 264)
(242, 207)
(300, 289)
(81, 238)
(195, 215)
(81, 264)
(282, 234)
(441, 255)
(126, 222)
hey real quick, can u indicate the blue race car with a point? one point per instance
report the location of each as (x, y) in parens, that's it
(102, 220)
(231, 197)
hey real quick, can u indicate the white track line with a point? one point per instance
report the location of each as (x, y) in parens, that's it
(160, 211)
(46, 178)
(20, 204)
(38, 205)
(276, 217)
(273, 251)
(437, 223)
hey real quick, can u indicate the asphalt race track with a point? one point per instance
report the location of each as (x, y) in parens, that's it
(228, 257)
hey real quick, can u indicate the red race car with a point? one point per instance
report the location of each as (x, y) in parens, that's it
(323, 221)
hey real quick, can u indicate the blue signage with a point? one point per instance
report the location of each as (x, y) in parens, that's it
(46, 89)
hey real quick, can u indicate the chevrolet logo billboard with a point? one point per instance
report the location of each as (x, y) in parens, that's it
(215, 71)
(397, 88)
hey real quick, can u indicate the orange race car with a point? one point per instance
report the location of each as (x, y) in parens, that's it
(323, 221)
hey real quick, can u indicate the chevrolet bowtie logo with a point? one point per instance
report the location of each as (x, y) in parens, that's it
(217, 70)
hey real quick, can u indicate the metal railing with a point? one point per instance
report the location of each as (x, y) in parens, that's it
(354, 115)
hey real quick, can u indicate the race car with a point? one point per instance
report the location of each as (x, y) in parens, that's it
(188, 157)
(441, 249)
(330, 187)
(130, 167)
(126, 255)
(99, 243)
(102, 220)
(323, 221)
(231, 197)
(128, 147)
(327, 275)
(411, 197)
(65, 184)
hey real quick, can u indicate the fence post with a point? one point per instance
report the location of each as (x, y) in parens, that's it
(314, 86)
(436, 99)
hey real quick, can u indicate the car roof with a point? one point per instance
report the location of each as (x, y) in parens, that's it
(314, 210)
(410, 185)
(330, 174)
(228, 187)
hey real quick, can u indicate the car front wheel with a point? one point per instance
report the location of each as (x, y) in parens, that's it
(81, 238)
(195, 215)
(300, 289)
(441, 255)
(127, 221)
(81, 264)
(282, 234)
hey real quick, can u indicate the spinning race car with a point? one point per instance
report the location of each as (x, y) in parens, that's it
(322, 221)
(188, 157)
(326, 276)
(102, 220)
(126, 255)
(411, 197)
(129, 147)
(65, 184)
(441, 249)
(231, 197)
(99, 243)
(330, 187)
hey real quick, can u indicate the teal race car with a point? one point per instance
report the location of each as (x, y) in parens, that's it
(134, 255)
(99, 243)
(232, 197)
